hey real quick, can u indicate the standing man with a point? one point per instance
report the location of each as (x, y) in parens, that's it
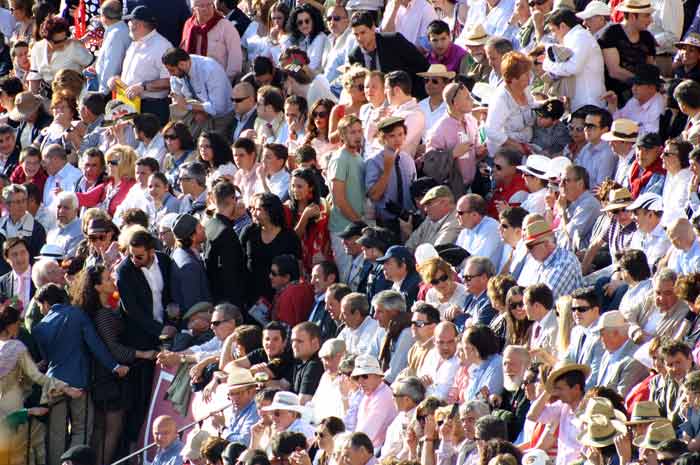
(143, 71)
(189, 284)
(397, 88)
(205, 34)
(115, 43)
(346, 173)
(223, 254)
(200, 92)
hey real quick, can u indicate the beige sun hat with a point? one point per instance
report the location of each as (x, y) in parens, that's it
(658, 432)
(601, 431)
(635, 6)
(438, 70)
(623, 130)
(644, 411)
(475, 36)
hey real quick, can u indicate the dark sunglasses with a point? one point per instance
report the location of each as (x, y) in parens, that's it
(360, 377)
(170, 137)
(97, 237)
(420, 324)
(275, 273)
(216, 324)
(581, 309)
(303, 21)
(514, 305)
(239, 99)
(320, 114)
(439, 280)
(113, 162)
(331, 18)
(320, 434)
(536, 2)
(434, 80)
(460, 213)
(469, 277)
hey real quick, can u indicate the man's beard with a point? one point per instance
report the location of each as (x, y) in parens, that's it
(512, 383)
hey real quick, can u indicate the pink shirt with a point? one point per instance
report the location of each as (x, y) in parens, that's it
(375, 414)
(569, 449)
(445, 136)
(249, 183)
(224, 46)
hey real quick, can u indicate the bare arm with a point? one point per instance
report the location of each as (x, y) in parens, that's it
(538, 406)
(612, 62)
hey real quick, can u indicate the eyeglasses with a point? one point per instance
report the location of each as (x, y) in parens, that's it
(216, 324)
(514, 305)
(573, 128)
(420, 324)
(590, 126)
(97, 237)
(331, 18)
(301, 22)
(238, 99)
(360, 377)
(668, 154)
(581, 309)
(169, 137)
(319, 114)
(469, 277)
(536, 2)
(113, 162)
(439, 280)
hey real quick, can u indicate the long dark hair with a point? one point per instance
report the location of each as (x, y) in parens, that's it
(221, 151)
(396, 326)
(312, 131)
(309, 178)
(274, 208)
(8, 316)
(82, 291)
(316, 22)
(516, 330)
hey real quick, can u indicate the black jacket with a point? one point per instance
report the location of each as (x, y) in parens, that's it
(137, 303)
(36, 241)
(224, 261)
(239, 20)
(396, 53)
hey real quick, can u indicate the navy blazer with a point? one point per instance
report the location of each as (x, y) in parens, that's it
(66, 338)
(323, 320)
(189, 284)
(409, 288)
(7, 285)
(478, 308)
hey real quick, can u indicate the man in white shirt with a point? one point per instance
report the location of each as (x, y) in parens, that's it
(68, 232)
(650, 235)
(585, 63)
(595, 17)
(441, 364)
(360, 329)
(495, 48)
(434, 106)
(62, 175)
(143, 71)
(397, 87)
(114, 45)
(647, 103)
(480, 234)
(408, 393)
(410, 19)
(275, 177)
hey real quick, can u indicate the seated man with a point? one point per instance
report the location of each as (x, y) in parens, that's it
(441, 225)
(684, 256)
(678, 359)
(360, 329)
(597, 156)
(647, 173)
(479, 235)
(308, 369)
(273, 358)
(286, 415)
(441, 363)
(198, 321)
(19, 222)
(586, 347)
(270, 116)
(477, 307)
(241, 391)
(647, 103)
(400, 269)
(293, 299)
(650, 235)
(577, 208)
(408, 393)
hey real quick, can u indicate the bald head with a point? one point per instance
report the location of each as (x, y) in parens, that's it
(681, 234)
(243, 95)
(111, 11)
(164, 431)
(446, 339)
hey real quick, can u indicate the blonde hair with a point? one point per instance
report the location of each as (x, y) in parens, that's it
(353, 72)
(565, 322)
(68, 80)
(126, 234)
(127, 159)
(429, 269)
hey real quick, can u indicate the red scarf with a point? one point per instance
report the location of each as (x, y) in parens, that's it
(638, 181)
(192, 31)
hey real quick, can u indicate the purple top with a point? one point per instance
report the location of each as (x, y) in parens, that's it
(451, 60)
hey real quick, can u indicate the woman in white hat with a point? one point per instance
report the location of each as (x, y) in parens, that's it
(534, 173)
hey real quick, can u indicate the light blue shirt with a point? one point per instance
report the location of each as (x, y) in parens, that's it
(114, 46)
(483, 240)
(66, 237)
(210, 83)
(66, 178)
(689, 262)
(581, 216)
(241, 424)
(374, 168)
(599, 160)
(488, 373)
(170, 455)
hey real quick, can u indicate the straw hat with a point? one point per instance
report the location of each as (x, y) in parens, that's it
(658, 432)
(563, 370)
(644, 411)
(285, 400)
(26, 103)
(623, 130)
(692, 382)
(475, 36)
(635, 6)
(536, 165)
(691, 40)
(611, 319)
(600, 406)
(192, 449)
(618, 199)
(438, 70)
(367, 365)
(601, 431)
(239, 378)
(536, 230)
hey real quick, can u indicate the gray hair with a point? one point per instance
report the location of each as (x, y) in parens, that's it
(483, 265)
(519, 350)
(335, 346)
(230, 312)
(665, 274)
(479, 407)
(357, 302)
(196, 171)
(390, 300)
(54, 150)
(68, 196)
(410, 387)
(499, 44)
(40, 271)
(8, 191)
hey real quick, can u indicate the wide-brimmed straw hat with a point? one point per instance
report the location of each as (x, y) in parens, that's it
(657, 432)
(562, 370)
(622, 130)
(601, 431)
(635, 6)
(618, 199)
(438, 70)
(644, 411)
(475, 36)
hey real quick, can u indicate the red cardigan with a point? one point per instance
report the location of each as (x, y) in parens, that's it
(96, 194)
(293, 303)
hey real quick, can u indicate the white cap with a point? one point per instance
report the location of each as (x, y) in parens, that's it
(557, 166)
(647, 201)
(367, 365)
(611, 319)
(594, 8)
(535, 457)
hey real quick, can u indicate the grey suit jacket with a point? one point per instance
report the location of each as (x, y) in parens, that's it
(623, 373)
(588, 351)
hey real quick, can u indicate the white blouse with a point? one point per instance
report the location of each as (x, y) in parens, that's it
(74, 56)
(506, 119)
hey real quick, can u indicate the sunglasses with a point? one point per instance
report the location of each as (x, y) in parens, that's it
(514, 305)
(97, 237)
(239, 99)
(536, 2)
(360, 377)
(320, 434)
(581, 309)
(331, 18)
(320, 114)
(575, 128)
(420, 324)
(113, 162)
(301, 22)
(216, 324)
(169, 137)
(469, 277)
(439, 280)
(434, 80)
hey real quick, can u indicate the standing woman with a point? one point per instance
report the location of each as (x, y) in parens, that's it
(307, 31)
(317, 131)
(24, 28)
(354, 85)
(120, 178)
(95, 292)
(55, 51)
(309, 218)
(265, 239)
(255, 38)
(276, 24)
(216, 155)
(180, 146)
(453, 12)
